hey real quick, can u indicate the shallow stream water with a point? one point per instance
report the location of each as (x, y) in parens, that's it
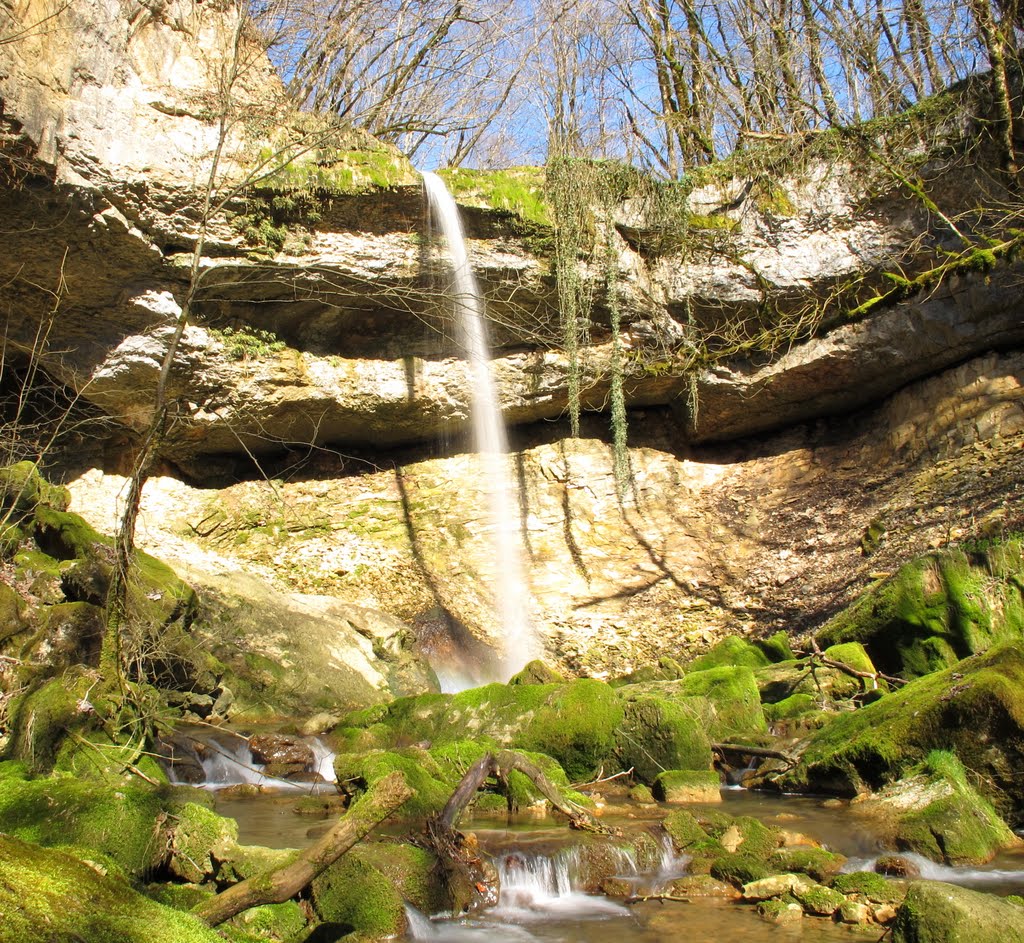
(539, 902)
(540, 898)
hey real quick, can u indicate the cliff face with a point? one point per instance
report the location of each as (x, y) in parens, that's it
(321, 329)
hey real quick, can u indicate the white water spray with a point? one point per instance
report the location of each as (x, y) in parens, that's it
(489, 439)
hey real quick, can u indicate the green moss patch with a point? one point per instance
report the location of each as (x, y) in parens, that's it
(937, 609)
(365, 891)
(59, 811)
(51, 893)
(732, 652)
(976, 710)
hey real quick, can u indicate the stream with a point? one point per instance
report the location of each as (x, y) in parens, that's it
(536, 860)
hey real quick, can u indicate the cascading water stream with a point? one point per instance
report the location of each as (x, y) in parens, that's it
(489, 438)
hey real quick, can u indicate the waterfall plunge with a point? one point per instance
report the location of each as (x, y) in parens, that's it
(489, 439)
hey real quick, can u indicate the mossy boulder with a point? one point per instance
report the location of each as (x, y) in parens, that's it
(432, 783)
(365, 890)
(23, 489)
(819, 901)
(817, 863)
(435, 773)
(198, 838)
(868, 887)
(657, 734)
(272, 921)
(689, 835)
(42, 888)
(574, 722)
(13, 614)
(45, 714)
(536, 672)
(733, 849)
(123, 824)
(935, 912)
(687, 785)
(937, 609)
(732, 651)
(815, 682)
(975, 710)
(735, 700)
(936, 813)
(576, 725)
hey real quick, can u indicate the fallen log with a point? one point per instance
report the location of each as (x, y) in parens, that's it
(275, 887)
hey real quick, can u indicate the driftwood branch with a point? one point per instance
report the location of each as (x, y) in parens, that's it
(752, 751)
(275, 887)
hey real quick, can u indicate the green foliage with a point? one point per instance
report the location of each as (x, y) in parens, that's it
(248, 343)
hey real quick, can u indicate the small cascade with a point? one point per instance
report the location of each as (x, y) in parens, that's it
(490, 440)
(996, 880)
(533, 886)
(218, 761)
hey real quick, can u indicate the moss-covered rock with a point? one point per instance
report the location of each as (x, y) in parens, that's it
(658, 734)
(435, 773)
(198, 838)
(576, 725)
(794, 685)
(731, 652)
(819, 901)
(23, 489)
(736, 701)
(937, 813)
(689, 835)
(43, 716)
(976, 710)
(13, 620)
(776, 647)
(365, 890)
(356, 772)
(934, 912)
(679, 785)
(123, 824)
(536, 672)
(575, 722)
(41, 888)
(281, 922)
(937, 609)
(739, 869)
(866, 886)
(818, 863)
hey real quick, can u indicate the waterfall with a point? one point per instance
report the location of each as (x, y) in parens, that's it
(489, 438)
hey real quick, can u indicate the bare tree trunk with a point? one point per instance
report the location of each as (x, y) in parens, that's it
(383, 799)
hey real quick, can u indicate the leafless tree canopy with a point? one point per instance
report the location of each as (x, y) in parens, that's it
(666, 84)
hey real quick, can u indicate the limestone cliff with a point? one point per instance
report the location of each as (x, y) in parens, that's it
(792, 297)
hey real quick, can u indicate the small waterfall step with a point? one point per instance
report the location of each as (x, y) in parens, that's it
(215, 759)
